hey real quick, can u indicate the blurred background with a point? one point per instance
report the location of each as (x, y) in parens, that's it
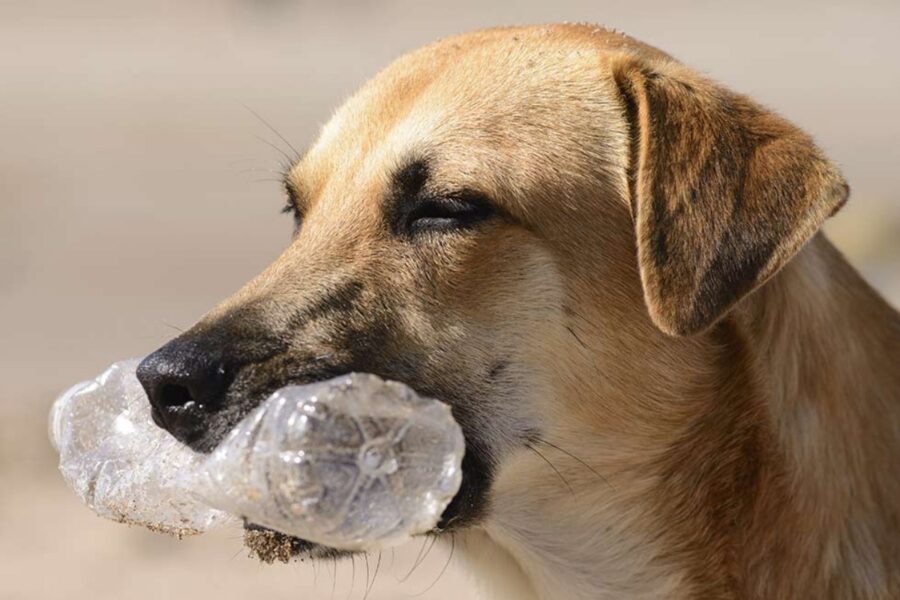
(137, 190)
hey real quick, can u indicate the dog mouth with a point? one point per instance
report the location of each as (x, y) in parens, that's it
(465, 509)
(270, 546)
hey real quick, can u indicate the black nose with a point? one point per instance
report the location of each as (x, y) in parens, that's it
(185, 381)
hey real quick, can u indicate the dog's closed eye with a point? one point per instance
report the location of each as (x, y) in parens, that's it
(415, 208)
(446, 213)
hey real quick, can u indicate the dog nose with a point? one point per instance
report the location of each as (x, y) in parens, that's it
(185, 383)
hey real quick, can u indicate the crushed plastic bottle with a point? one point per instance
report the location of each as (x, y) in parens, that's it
(352, 462)
(119, 463)
(355, 462)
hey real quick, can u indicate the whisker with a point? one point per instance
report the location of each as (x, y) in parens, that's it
(576, 458)
(259, 170)
(286, 156)
(275, 131)
(234, 162)
(431, 546)
(374, 576)
(444, 569)
(578, 339)
(333, 576)
(352, 574)
(552, 466)
(416, 562)
(366, 589)
(582, 317)
(175, 327)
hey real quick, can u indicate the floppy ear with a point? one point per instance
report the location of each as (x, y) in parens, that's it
(723, 192)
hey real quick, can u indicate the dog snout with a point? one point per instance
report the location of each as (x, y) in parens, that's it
(186, 381)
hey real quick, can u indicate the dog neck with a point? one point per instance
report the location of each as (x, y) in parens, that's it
(825, 348)
(778, 479)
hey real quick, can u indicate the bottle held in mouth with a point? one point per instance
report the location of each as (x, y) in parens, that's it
(354, 462)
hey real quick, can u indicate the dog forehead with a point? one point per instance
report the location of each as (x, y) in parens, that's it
(479, 102)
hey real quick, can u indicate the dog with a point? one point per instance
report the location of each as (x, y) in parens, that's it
(671, 385)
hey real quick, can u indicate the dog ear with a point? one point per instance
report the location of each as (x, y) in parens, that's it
(723, 192)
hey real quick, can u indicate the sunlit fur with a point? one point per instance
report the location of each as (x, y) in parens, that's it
(756, 457)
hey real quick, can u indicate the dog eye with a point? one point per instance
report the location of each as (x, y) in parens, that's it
(451, 213)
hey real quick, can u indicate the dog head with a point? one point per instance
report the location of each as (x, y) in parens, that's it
(515, 222)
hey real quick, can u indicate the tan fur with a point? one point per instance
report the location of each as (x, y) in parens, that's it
(758, 457)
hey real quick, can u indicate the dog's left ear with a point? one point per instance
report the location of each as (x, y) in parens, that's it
(723, 192)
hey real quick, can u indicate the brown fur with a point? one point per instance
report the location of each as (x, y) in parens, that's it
(652, 312)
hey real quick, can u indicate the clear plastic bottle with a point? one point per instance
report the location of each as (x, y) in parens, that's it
(355, 462)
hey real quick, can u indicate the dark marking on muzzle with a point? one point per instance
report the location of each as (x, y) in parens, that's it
(343, 298)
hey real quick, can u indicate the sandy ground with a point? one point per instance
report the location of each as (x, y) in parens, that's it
(134, 194)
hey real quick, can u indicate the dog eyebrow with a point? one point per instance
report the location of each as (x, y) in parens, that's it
(410, 179)
(407, 184)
